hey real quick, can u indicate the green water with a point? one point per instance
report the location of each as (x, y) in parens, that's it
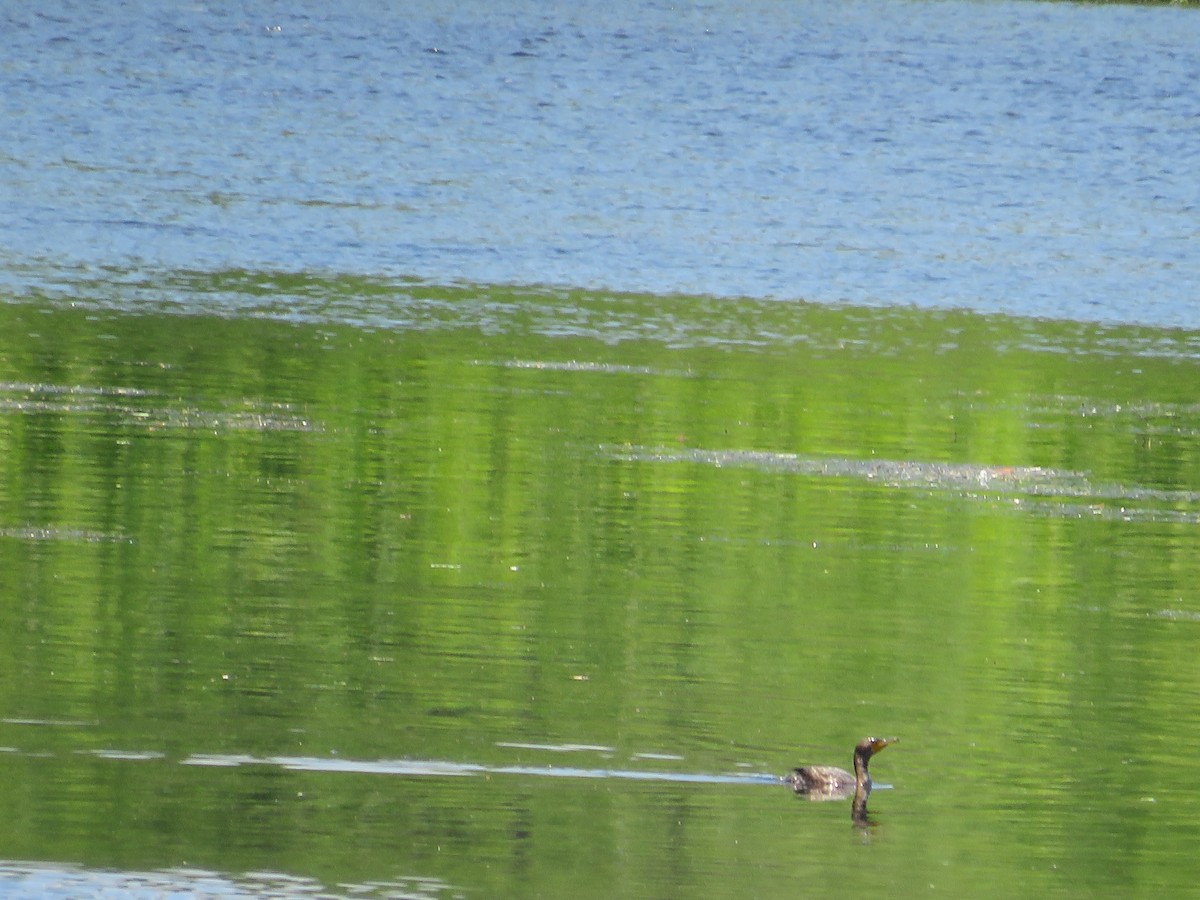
(484, 592)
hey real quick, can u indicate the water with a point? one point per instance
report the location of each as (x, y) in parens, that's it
(420, 477)
(1016, 157)
(493, 611)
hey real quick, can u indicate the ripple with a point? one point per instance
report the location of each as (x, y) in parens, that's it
(37, 398)
(50, 533)
(969, 481)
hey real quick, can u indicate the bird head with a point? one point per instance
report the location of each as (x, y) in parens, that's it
(868, 747)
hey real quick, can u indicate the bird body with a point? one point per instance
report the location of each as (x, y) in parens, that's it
(832, 783)
(822, 780)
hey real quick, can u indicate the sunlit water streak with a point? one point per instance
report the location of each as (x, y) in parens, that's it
(83, 400)
(448, 769)
(433, 768)
(967, 481)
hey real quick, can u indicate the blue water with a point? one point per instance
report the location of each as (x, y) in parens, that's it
(1037, 159)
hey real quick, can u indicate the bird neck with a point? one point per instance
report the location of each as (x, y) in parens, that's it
(861, 776)
(858, 809)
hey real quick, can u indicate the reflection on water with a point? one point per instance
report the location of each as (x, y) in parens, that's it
(354, 604)
(21, 880)
(326, 452)
(888, 153)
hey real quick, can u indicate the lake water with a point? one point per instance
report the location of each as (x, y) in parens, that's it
(470, 450)
(1016, 157)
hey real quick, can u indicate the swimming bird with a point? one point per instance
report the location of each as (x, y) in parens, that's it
(832, 783)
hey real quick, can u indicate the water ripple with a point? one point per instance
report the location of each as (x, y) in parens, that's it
(971, 481)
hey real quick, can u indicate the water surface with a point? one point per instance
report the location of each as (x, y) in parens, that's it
(471, 452)
(504, 611)
(1010, 156)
